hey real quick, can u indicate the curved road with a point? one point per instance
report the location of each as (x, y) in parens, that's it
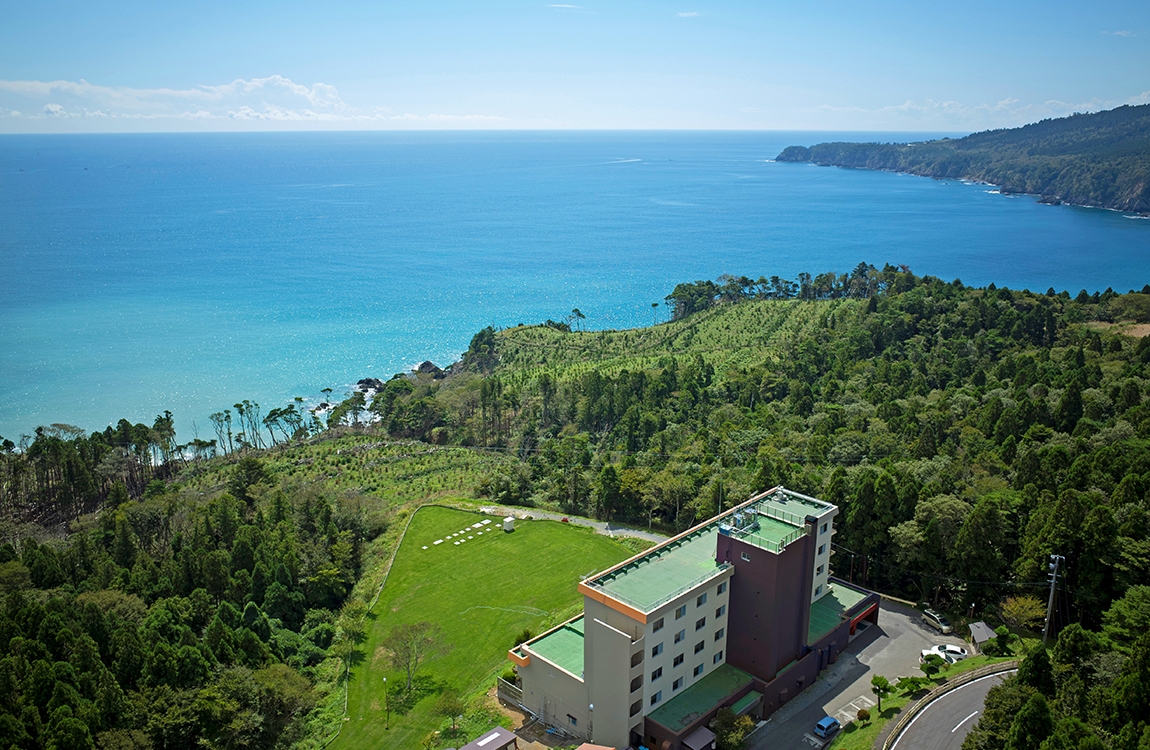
(944, 724)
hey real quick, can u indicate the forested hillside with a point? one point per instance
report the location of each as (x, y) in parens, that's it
(167, 596)
(219, 609)
(1100, 159)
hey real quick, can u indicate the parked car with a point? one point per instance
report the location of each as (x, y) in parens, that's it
(827, 726)
(944, 649)
(936, 621)
(948, 658)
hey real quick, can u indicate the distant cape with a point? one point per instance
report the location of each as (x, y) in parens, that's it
(1100, 159)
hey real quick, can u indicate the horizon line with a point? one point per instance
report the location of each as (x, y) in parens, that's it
(482, 130)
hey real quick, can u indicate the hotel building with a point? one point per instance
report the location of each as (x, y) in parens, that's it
(738, 611)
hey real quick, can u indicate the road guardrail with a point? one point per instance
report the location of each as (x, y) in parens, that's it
(962, 679)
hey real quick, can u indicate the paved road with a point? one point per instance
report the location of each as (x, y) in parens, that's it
(890, 648)
(603, 527)
(944, 724)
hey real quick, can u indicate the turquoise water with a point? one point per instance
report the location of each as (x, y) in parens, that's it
(187, 272)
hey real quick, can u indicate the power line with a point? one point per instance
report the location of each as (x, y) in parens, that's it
(880, 563)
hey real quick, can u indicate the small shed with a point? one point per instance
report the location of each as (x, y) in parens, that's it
(980, 633)
(509, 523)
(701, 739)
(496, 739)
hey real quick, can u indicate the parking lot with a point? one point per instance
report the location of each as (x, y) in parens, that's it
(891, 648)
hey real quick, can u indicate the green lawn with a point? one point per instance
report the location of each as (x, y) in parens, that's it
(482, 593)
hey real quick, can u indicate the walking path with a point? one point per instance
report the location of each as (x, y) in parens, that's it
(603, 527)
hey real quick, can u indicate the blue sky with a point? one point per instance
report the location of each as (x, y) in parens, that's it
(144, 66)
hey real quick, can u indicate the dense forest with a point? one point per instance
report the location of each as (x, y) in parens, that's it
(160, 595)
(1100, 159)
(1088, 692)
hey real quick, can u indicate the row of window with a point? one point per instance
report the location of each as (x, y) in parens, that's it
(676, 685)
(681, 612)
(680, 636)
(657, 673)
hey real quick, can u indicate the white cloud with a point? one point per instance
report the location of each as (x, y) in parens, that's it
(564, 6)
(1120, 33)
(447, 118)
(690, 14)
(270, 101)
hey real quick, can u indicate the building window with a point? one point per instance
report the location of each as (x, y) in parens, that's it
(680, 635)
(677, 684)
(822, 548)
(658, 625)
(656, 697)
(636, 683)
(699, 646)
(636, 659)
(819, 570)
(680, 611)
(722, 587)
(818, 590)
(746, 557)
(720, 633)
(721, 611)
(700, 623)
(678, 660)
(656, 650)
(572, 720)
(698, 670)
(701, 600)
(824, 529)
(656, 674)
(718, 658)
(636, 707)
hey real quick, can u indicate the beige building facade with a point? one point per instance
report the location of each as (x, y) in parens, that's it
(655, 630)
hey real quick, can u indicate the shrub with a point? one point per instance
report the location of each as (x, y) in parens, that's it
(863, 715)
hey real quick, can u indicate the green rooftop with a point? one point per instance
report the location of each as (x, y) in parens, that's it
(678, 713)
(664, 572)
(653, 579)
(772, 534)
(563, 647)
(827, 612)
(742, 703)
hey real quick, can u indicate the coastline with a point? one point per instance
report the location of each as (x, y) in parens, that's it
(966, 179)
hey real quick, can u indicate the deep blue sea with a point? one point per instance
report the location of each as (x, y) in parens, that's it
(187, 272)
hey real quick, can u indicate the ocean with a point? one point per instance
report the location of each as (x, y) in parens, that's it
(188, 272)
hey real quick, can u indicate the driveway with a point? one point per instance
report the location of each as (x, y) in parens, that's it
(944, 724)
(890, 648)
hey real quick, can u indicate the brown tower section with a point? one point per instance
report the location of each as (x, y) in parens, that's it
(770, 603)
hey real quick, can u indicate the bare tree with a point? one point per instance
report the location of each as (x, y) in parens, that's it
(408, 646)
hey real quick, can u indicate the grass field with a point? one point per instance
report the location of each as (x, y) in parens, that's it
(482, 593)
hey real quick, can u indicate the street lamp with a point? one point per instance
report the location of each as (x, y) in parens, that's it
(386, 705)
(591, 722)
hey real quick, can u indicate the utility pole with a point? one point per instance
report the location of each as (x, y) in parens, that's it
(1055, 561)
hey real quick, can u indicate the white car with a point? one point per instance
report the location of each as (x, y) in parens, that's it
(946, 657)
(945, 649)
